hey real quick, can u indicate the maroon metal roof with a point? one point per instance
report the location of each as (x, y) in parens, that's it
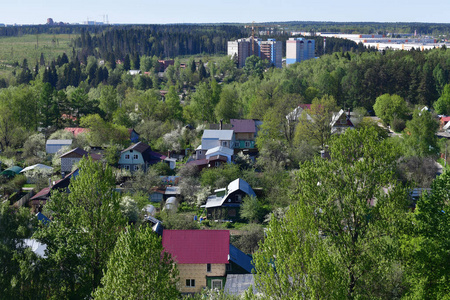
(243, 125)
(198, 162)
(42, 194)
(82, 153)
(140, 147)
(197, 246)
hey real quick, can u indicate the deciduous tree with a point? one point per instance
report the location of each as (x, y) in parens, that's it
(86, 224)
(139, 268)
(338, 239)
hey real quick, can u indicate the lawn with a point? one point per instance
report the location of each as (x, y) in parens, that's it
(15, 49)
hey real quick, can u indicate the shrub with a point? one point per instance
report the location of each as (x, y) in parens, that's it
(398, 125)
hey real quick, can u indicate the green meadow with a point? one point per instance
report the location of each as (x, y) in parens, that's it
(15, 49)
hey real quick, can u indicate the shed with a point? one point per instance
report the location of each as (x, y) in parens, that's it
(52, 146)
(171, 204)
(238, 284)
(11, 171)
(149, 210)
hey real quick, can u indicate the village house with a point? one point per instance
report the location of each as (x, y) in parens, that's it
(226, 202)
(204, 258)
(138, 157)
(217, 142)
(71, 158)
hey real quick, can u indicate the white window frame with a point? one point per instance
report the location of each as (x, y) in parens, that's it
(127, 156)
(126, 167)
(136, 167)
(237, 144)
(224, 143)
(216, 281)
(190, 282)
(248, 144)
(135, 156)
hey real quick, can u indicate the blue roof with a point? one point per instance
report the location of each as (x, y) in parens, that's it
(241, 259)
(42, 218)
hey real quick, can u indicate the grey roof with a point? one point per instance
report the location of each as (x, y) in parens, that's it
(238, 184)
(59, 142)
(237, 284)
(241, 184)
(173, 190)
(222, 135)
(220, 149)
(36, 166)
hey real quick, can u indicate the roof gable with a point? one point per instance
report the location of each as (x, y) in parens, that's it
(139, 147)
(197, 246)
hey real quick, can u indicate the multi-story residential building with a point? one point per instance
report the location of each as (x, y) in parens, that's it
(272, 51)
(299, 49)
(242, 48)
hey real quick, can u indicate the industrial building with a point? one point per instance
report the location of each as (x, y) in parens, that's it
(299, 49)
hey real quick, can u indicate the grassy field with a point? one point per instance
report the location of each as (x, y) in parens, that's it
(15, 49)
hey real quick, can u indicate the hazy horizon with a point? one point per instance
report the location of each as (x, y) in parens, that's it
(36, 12)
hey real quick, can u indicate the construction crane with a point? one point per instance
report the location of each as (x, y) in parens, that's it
(253, 26)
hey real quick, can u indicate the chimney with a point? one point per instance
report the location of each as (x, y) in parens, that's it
(220, 125)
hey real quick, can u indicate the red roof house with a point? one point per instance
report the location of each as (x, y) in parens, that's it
(197, 246)
(201, 257)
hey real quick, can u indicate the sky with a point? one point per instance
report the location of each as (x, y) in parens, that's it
(213, 11)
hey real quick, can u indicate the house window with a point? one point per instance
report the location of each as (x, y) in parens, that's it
(208, 268)
(236, 145)
(247, 144)
(216, 284)
(232, 212)
(228, 267)
(136, 167)
(135, 156)
(126, 167)
(127, 156)
(217, 163)
(224, 144)
(190, 282)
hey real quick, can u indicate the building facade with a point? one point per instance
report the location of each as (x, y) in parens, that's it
(242, 48)
(299, 49)
(272, 50)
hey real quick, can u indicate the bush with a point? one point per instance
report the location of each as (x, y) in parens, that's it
(398, 125)
(248, 241)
